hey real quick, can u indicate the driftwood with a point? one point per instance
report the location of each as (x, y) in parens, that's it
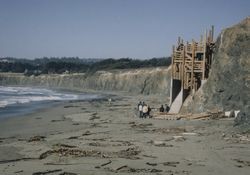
(67, 173)
(5, 138)
(198, 116)
(51, 163)
(87, 133)
(104, 164)
(16, 160)
(167, 116)
(46, 172)
(19, 171)
(72, 152)
(121, 167)
(201, 116)
(127, 169)
(151, 164)
(64, 145)
(37, 138)
(59, 120)
(172, 164)
(129, 153)
(242, 162)
(150, 156)
(73, 137)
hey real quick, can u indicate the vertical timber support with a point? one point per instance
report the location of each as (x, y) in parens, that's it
(204, 58)
(212, 35)
(192, 68)
(172, 75)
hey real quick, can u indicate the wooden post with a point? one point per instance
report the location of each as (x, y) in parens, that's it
(192, 70)
(212, 33)
(204, 56)
(209, 36)
(183, 67)
(201, 39)
(179, 41)
(206, 35)
(173, 67)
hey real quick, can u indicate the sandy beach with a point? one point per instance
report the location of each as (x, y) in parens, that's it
(95, 137)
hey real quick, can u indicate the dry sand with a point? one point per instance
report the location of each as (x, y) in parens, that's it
(100, 138)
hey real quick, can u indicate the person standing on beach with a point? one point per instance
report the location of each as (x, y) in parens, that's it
(140, 109)
(110, 100)
(167, 108)
(148, 113)
(139, 105)
(161, 108)
(145, 110)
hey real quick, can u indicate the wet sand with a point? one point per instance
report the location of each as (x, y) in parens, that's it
(95, 137)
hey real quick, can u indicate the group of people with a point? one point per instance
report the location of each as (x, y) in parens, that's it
(167, 108)
(144, 110)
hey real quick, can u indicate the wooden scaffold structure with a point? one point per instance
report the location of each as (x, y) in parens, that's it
(191, 63)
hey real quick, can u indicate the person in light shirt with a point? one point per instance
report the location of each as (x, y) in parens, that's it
(145, 110)
(140, 109)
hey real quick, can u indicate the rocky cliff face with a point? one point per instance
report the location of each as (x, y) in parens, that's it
(228, 86)
(140, 81)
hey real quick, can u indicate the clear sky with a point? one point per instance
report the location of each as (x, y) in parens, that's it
(109, 28)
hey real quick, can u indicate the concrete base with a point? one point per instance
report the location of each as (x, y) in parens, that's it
(203, 82)
(175, 88)
(177, 103)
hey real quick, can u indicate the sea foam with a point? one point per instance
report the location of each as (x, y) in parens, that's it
(21, 95)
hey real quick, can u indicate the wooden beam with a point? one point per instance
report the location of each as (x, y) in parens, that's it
(201, 39)
(179, 40)
(183, 68)
(212, 31)
(206, 35)
(173, 51)
(192, 70)
(204, 56)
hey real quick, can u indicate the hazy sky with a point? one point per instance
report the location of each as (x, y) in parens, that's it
(109, 28)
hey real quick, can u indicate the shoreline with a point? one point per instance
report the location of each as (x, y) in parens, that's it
(21, 109)
(95, 137)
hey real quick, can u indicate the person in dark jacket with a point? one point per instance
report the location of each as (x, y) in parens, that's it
(148, 114)
(167, 108)
(161, 108)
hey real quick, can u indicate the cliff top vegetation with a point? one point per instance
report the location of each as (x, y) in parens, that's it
(56, 65)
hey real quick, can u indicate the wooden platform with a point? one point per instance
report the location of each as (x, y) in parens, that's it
(201, 116)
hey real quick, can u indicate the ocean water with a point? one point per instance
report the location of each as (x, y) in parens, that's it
(22, 100)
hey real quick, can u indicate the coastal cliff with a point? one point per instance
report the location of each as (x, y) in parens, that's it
(136, 81)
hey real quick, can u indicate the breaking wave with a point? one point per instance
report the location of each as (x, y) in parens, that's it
(23, 95)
